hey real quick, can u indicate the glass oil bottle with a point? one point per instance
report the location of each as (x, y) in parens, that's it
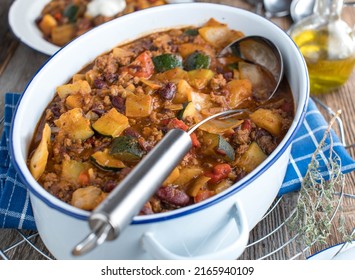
(327, 44)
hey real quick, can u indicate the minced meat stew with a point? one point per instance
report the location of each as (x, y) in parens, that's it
(112, 113)
(61, 21)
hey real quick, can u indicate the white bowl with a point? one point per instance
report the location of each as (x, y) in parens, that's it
(22, 17)
(217, 228)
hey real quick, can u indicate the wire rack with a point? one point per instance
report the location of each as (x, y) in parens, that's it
(268, 240)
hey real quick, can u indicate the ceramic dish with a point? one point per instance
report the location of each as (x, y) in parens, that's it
(216, 228)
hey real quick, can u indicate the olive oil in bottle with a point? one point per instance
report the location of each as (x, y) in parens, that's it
(327, 45)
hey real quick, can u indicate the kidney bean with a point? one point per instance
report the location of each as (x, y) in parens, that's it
(109, 186)
(228, 76)
(146, 209)
(131, 132)
(56, 107)
(168, 91)
(173, 196)
(119, 103)
(99, 83)
(144, 144)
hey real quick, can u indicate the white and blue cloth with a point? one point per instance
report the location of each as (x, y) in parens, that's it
(15, 206)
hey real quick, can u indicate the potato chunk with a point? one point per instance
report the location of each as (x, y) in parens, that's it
(74, 124)
(39, 158)
(138, 105)
(111, 124)
(47, 23)
(88, 198)
(268, 120)
(80, 86)
(62, 34)
(239, 91)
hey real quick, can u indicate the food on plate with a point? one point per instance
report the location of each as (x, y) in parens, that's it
(115, 110)
(61, 21)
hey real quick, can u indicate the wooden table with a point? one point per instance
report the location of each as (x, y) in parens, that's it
(18, 63)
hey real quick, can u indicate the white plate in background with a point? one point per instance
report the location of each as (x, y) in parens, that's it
(22, 16)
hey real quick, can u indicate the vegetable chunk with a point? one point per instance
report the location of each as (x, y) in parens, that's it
(88, 198)
(138, 106)
(267, 119)
(39, 158)
(75, 124)
(111, 124)
(251, 158)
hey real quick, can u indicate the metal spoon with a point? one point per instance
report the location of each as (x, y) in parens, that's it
(116, 212)
(267, 60)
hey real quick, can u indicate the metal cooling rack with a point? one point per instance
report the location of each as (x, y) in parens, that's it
(275, 243)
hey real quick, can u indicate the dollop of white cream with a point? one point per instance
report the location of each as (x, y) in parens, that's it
(107, 8)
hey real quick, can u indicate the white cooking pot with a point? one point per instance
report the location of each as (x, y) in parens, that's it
(217, 228)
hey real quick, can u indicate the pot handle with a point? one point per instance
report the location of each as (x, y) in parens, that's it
(158, 251)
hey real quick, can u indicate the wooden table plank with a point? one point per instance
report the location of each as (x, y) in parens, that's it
(8, 42)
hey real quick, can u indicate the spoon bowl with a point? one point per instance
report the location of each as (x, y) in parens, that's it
(260, 61)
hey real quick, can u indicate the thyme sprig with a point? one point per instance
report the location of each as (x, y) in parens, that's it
(317, 202)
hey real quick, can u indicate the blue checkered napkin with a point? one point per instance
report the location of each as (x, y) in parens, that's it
(15, 207)
(304, 145)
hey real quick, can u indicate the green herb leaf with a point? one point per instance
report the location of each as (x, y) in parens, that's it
(191, 32)
(71, 12)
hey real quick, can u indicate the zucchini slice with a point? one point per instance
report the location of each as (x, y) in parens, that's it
(217, 146)
(188, 110)
(126, 148)
(111, 124)
(105, 161)
(166, 62)
(71, 170)
(39, 158)
(197, 60)
(251, 158)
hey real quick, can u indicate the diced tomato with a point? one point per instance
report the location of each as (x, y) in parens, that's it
(203, 194)
(176, 123)
(84, 178)
(220, 172)
(58, 16)
(142, 66)
(246, 125)
(195, 142)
